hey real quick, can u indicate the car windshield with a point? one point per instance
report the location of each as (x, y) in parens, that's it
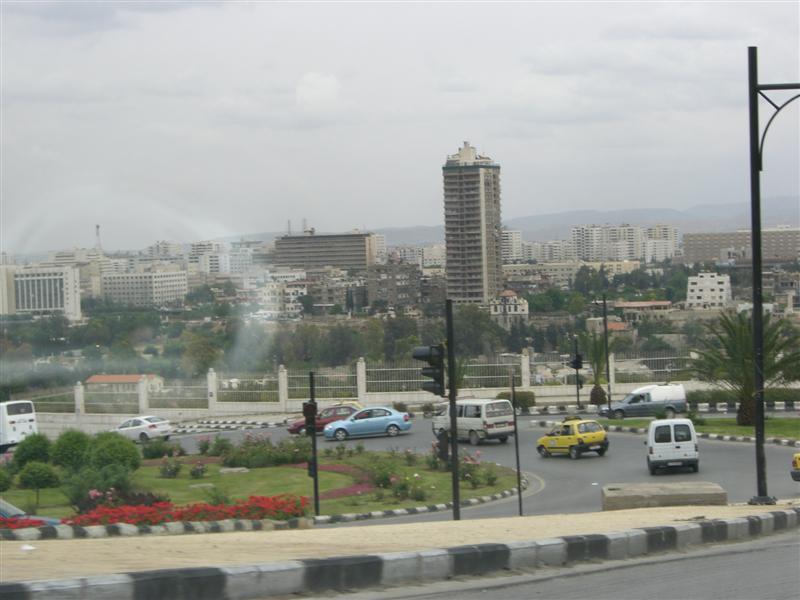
(9, 510)
(155, 419)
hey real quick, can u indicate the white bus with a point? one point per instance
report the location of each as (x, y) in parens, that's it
(17, 421)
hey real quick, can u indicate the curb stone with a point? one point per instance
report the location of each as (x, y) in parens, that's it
(346, 573)
(705, 436)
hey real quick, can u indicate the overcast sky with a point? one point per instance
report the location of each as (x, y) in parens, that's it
(190, 120)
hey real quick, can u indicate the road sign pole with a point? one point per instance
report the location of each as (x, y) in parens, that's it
(516, 441)
(577, 375)
(315, 475)
(452, 392)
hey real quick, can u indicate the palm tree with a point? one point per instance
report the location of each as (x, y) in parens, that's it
(726, 358)
(595, 349)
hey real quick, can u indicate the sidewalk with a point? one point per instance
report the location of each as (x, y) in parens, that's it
(61, 559)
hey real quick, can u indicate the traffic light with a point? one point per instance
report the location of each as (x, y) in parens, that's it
(310, 414)
(577, 362)
(434, 356)
(443, 445)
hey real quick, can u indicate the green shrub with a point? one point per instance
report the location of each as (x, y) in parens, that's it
(216, 496)
(35, 447)
(428, 409)
(489, 475)
(359, 448)
(5, 480)
(70, 449)
(198, 471)
(523, 399)
(113, 449)
(220, 446)
(78, 485)
(169, 468)
(160, 447)
(410, 457)
(204, 445)
(381, 472)
(258, 451)
(400, 406)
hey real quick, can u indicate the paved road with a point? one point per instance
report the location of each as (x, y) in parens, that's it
(766, 568)
(561, 485)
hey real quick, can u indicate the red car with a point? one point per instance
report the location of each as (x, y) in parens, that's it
(325, 416)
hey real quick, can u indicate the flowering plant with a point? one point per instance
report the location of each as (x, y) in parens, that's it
(19, 522)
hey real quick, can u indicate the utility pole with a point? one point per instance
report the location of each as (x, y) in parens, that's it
(577, 363)
(516, 440)
(452, 393)
(605, 336)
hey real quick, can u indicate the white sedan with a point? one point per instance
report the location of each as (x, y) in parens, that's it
(145, 428)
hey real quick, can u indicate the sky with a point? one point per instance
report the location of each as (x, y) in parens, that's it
(184, 121)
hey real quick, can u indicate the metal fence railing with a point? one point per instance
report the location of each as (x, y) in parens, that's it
(336, 382)
(111, 402)
(53, 402)
(180, 394)
(248, 389)
(491, 375)
(394, 377)
(669, 365)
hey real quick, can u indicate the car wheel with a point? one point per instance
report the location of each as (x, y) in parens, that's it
(143, 438)
(651, 468)
(474, 438)
(503, 439)
(602, 451)
(340, 435)
(695, 467)
(543, 452)
(573, 452)
(669, 413)
(392, 430)
(618, 414)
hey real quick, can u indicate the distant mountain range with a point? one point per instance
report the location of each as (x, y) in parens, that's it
(782, 210)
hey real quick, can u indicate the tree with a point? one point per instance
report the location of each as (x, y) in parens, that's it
(37, 475)
(200, 355)
(594, 347)
(726, 358)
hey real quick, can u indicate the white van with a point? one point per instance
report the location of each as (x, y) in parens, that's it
(478, 420)
(17, 421)
(672, 443)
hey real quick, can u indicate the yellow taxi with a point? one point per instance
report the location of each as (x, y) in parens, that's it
(796, 467)
(573, 436)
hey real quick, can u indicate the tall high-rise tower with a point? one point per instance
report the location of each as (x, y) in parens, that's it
(473, 232)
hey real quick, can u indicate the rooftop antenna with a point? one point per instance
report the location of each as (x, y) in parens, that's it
(97, 237)
(305, 225)
(289, 227)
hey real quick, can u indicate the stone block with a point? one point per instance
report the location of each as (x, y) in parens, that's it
(621, 496)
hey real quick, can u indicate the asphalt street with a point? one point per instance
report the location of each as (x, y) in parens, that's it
(766, 568)
(561, 485)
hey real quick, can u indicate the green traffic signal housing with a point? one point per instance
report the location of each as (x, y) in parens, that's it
(434, 356)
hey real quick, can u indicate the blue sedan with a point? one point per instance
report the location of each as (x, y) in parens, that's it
(369, 421)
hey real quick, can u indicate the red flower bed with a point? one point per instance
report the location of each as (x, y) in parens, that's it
(19, 522)
(279, 507)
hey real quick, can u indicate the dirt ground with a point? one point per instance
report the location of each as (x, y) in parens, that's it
(59, 559)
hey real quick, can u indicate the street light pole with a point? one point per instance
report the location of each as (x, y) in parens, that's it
(605, 336)
(756, 164)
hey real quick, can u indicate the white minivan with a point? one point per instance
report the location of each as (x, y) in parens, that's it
(478, 420)
(672, 443)
(17, 421)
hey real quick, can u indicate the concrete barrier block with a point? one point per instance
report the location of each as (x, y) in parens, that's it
(101, 587)
(436, 564)
(571, 409)
(780, 406)
(126, 529)
(99, 531)
(738, 528)
(276, 579)
(591, 409)
(617, 545)
(174, 528)
(792, 518)
(551, 552)
(702, 407)
(688, 534)
(637, 543)
(722, 407)
(552, 410)
(619, 496)
(767, 524)
(401, 567)
(523, 554)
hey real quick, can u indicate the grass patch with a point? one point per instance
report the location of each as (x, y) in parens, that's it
(779, 427)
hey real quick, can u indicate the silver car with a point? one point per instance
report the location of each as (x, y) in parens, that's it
(146, 428)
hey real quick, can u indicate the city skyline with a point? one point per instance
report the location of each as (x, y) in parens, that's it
(191, 121)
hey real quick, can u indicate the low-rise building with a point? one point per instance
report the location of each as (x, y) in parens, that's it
(508, 308)
(708, 290)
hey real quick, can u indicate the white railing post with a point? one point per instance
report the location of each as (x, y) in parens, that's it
(80, 401)
(213, 391)
(283, 388)
(361, 380)
(525, 369)
(141, 389)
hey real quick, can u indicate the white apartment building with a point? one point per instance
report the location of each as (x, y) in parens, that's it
(164, 249)
(213, 263)
(151, 288)
(411, 255)
(624, 242)
(434, 256)
(472, 226)
(282, 298)
(40, 290)
(549, 251)
(379, 243)
(511, 247)
(708, 290)
(508, 309)
(197, 249)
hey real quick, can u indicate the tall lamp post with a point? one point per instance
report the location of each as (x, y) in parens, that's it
(605, 343)
(755, 90)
